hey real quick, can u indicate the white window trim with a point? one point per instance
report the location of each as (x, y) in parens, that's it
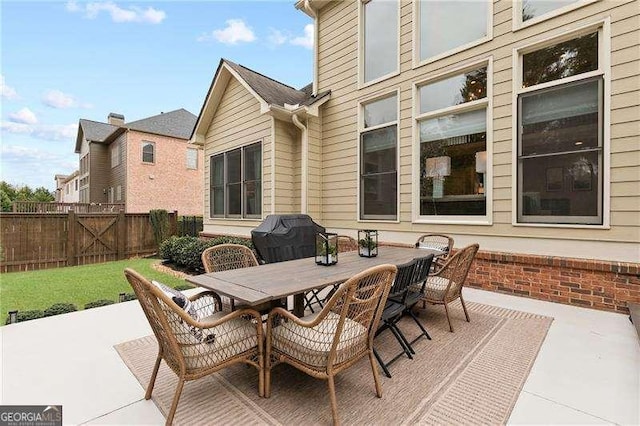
(516, 17)
(361, 54)
(487, 103)
(155, 153)
(262, 180)
(603, 26)
(417, 62)
(187, 158)
(360, 129)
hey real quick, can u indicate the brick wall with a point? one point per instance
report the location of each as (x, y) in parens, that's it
(587, 283)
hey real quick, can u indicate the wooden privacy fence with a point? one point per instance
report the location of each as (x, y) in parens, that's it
(39, 241)
(55, 207)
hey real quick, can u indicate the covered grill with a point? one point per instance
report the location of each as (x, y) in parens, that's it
(285, 237)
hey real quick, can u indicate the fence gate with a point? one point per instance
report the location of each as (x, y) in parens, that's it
(95, 238)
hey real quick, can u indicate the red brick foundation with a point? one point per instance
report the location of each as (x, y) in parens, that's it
(588, 283)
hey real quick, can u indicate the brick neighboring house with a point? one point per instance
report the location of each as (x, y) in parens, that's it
(145, 164)
(67, 188)
(517, 130)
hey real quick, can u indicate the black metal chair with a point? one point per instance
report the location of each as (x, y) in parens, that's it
(415, 293)
(393, 311)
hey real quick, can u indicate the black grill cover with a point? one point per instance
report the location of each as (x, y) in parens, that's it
(285, 237)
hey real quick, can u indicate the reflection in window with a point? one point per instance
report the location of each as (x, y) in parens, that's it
(378, 158)
(534, 8)
(561, 153)
(236, 183)
(148, 152)
(446, 25)
(380, 38)
(453, 164)
(455, 90)
(561, 60)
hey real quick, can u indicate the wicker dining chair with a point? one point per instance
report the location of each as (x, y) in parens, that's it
(196, 347)
(225, 257)
(334, 339)
(445, 285)
(440, 242)
(320, 296)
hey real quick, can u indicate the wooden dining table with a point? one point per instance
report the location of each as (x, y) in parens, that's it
(275, 281)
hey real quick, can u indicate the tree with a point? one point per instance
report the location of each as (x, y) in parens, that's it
(10, 193)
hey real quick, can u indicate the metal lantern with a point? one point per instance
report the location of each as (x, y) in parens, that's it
(121, 297)
(13, 317)
(326, 248)
(368, 243)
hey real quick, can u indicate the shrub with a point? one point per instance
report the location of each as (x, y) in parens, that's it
(168, 248)
(59, 308)
(129, 296)
(27, 315)
(184, 286)
(187, 251)
(98, 303)
(160, 223)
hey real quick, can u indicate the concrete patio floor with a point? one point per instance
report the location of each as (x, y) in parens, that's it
(587, 371)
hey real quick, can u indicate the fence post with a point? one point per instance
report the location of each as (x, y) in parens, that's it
(174, 223)
(71, 238)
(122, 234)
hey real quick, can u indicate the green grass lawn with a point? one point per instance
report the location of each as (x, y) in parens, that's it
(77, 284)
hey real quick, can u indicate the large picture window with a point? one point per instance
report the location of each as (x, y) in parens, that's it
(236, 183)
(440, 28)
(452, 128)
(560, 134)
(380, 35)
(378, 159)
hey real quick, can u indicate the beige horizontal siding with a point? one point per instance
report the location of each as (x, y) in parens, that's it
(338, 68)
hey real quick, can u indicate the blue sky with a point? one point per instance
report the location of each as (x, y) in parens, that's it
(66, 60)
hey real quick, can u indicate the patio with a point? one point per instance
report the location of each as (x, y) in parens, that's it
(587, 371)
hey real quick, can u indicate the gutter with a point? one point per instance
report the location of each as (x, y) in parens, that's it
(306, 8)
(305, 162)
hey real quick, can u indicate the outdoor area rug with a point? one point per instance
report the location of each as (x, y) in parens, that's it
(471, 376)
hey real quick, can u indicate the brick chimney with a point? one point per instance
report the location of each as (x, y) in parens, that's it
(115, 119)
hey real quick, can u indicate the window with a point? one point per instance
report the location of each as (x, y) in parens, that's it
(192, 158)
(440, 28)
(535, 8)
(115, 154)
(560, 133)
(236, 183)
(378, 159)
(452, 127)
(380, 39)
(76, 183)
(148, 152)
(119, 193)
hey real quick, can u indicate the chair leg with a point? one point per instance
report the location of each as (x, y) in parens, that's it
(334, 402)
(152, 382)
(406, 346)
(376, 377)
(446, 310)
(176, 398)
(417, 321)
(464, 308)
(382, 365)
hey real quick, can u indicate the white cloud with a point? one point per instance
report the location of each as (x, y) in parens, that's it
(34, 166)
(24, 116)
(276, 37)
(118, 14)
(306, 40)
(7, 92)
(236, 31)
(49, 132)
(61, 100)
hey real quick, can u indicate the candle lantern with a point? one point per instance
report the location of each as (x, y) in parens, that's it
(13, 317)
(368, 243)
(326, 248)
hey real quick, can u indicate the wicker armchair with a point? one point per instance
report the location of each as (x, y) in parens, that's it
(196, 348)
(445, 285)
(324, 344)
(225, 257)
(317, 297)
(440, 242)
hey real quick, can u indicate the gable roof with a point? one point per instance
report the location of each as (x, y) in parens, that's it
(177, 124)
(272, 94)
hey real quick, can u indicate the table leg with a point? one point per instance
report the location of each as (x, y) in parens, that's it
(298, 305)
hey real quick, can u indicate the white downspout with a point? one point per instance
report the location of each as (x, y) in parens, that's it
(305, 163)
(311, 12)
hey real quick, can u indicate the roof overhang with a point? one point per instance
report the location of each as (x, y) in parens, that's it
(288, 111)
(220, 80)
(311, 7)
